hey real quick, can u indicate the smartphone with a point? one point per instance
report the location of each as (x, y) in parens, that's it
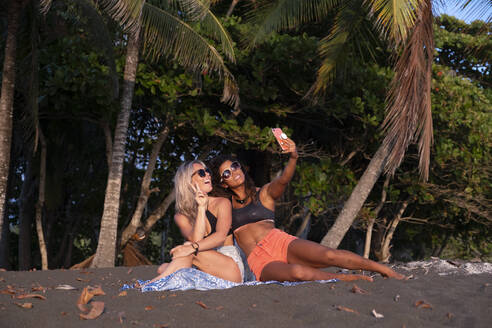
(280, 136)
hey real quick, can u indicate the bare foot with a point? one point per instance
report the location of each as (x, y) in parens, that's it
(393, 274)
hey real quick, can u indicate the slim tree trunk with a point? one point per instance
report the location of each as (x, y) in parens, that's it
(106, 247)
(145, 188)
(26, 214)
(40, 203)
(231, 7)
(6, 111)
(385, 247)
(353, 205)
(367, 245)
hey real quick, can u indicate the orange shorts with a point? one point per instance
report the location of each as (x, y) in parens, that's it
(272, 248)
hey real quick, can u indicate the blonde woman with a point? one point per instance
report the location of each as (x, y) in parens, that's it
(205, 223)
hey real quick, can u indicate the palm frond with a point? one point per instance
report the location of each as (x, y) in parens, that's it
(199, 10)
(477, 8)
(274, 16)
(166, 34)
(395, 18)
(126, 12)
(409, 114)
(350, 30)
(44, 6)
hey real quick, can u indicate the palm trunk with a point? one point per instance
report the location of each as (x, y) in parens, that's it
(145, 189)
(106, 247)
(353, 205)
(26, 213)
(6, 111)
(367, 245)
(40, 203)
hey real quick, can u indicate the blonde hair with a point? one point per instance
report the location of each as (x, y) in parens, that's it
(185, 195)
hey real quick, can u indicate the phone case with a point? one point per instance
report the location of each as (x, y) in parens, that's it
(279, 135)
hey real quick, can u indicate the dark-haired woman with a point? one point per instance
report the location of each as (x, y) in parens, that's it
(205, 223)
(273, 254)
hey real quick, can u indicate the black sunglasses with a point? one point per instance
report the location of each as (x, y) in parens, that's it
(228, 173)
(202, 173)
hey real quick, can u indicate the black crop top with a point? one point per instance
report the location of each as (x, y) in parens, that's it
(251, 213)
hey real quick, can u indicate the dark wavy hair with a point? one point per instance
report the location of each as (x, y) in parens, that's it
(219, 191)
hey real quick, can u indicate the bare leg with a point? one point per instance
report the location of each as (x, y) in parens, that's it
(308, 253)
(176, 264)
(295, 272)
(217, 264)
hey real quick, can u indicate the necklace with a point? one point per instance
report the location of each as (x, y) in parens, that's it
(241, 201)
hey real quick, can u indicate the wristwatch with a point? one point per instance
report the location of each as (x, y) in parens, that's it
(195, 247)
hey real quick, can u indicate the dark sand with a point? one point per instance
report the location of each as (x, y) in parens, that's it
(457, 299)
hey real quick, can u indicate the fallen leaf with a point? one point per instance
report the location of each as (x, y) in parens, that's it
(377, 315)
(2, 279)
(162, 296)
(85, 296)
(63, 313)
(173, 295)
(203, 305)
(396, 298)
(96, 291)
(96, 310)
(423, 305)
(156, 325)
(85, 272)
(449, 315)
(220, 307)
(83, 307)
(148, 308)
(178, 304)
(346, 309)
(332, 287)
(24, 305)
(31, 296)
(129, 271)
(121, 317)
(65, 287)
(8, 291)
(123, 293)
(38, 289)
(83, 280)
(253, 305)
(357, 290)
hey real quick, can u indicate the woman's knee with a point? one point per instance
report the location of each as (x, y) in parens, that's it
(299, 272)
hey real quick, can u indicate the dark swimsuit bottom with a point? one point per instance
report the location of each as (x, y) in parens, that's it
(251, 213)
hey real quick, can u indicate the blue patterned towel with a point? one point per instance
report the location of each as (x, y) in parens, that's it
(190, 278)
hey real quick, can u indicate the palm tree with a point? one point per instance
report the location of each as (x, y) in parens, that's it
(6, 112)
(163, 30)
(407, 27)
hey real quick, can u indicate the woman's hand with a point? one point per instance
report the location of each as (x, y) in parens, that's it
(201, 198)
(182, 250)
(289, 146)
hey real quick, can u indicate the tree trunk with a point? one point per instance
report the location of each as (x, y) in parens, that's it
(26, 214)
(231, 8)
(385, 247)
(40, 203)
(106, 247)
(145, 189)
(353, 205)
(6, 111)
(367, 245)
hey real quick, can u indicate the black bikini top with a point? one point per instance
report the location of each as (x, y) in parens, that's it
(212, 220)
(251, 213)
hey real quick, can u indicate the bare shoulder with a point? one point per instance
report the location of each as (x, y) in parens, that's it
(216, 203)
(179, 218)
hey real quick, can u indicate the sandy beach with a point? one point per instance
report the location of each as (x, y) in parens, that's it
(438, 294)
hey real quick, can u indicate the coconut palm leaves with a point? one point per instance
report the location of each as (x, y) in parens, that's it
(167, 31)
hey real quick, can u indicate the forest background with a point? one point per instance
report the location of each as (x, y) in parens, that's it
(70, 65)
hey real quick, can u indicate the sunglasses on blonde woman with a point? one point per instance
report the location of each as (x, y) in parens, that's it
(202, 173)
(228, 172)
